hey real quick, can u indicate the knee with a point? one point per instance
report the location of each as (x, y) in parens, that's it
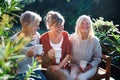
(73, 77)
(81, 77)
(64, 75)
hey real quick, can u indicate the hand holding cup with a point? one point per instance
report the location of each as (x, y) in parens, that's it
(38, 49)
(51, 53)
(83, 64)
(58, 52)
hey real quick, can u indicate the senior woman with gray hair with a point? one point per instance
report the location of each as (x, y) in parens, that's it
(30, 24)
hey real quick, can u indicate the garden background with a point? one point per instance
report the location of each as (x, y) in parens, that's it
(72, 9)
(104, 13)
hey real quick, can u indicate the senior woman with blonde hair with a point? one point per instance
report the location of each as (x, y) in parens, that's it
(30, 24)
(85, 47)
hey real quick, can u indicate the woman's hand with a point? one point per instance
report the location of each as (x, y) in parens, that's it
(89, 66)
(82, 69)
(39, 58)
(51, 53)
(30, 52)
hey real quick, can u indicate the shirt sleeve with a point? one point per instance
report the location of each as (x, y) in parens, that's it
(97, 54)
(69, 46)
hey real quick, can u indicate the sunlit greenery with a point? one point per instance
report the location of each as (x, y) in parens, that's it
(7, 15)
(8, 56)
(109, 36)
(8, 48)
(106, 31)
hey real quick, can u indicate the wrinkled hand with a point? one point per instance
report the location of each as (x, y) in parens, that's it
(54, 68)
(81, 69)
(39, 58)
(30, 52)
(51, 53)
(88, 67)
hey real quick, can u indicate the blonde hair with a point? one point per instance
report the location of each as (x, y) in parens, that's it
(29, 18)
(54, 18)
(77, 31)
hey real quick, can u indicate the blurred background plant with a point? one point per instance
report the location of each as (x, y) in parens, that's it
(72, 9)
(9, 55)
(7, 15)
(7, 47)
(107, 32)
(109, 36)
(10, 49)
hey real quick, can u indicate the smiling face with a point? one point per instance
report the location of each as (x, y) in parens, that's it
(30, 22)
(57, 29)
(85, 26)
(34, 28)
(55, 22)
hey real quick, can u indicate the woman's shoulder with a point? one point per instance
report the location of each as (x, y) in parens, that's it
(37, 33)
(44, 36)
(36, 36)
(72, 36)
(95, 38)
(14, 36)
(65, 32)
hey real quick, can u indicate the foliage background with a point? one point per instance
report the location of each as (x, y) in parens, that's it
(72, 9)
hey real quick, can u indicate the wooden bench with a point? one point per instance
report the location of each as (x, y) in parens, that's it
(103, 73)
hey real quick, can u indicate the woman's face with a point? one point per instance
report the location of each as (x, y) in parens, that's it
(34, 28)
(57, 29)
(84, 27)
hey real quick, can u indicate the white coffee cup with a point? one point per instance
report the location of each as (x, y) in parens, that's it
(83, 64)
(58, 52)
(38, 49)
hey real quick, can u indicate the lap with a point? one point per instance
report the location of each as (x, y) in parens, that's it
(59, 75)
(88, 74)
(76, 74)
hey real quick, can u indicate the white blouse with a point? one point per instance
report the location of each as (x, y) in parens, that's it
(58, 45)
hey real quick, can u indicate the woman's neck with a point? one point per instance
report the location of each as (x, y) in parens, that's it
(55, 38)
(84, 36)
(55, 34)
(25, 34)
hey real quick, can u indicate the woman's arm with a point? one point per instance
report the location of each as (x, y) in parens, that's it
(64, 61)
(97, 54)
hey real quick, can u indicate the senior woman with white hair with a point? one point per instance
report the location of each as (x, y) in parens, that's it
(30, 24)
(85, 47)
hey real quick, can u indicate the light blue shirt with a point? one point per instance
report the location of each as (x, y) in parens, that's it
(25, 62)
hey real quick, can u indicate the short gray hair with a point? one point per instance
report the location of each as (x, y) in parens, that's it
(29, 18)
